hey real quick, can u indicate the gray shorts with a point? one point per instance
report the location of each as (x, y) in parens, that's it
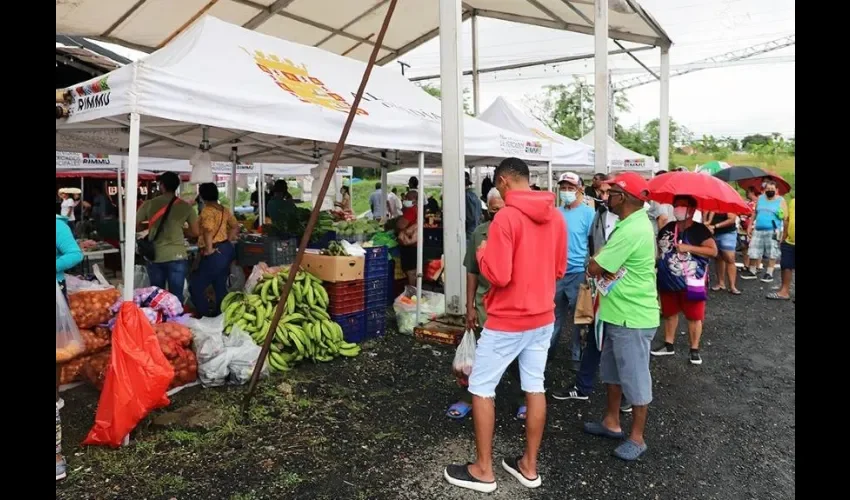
(763, 245)
(625, 361)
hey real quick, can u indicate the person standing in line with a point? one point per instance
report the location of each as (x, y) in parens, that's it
(789, 259)
(659, 213)
(578, 221)
(628, 312)
(393, 203)
(722, 226)
(765, 233)
(746, 221)
(473, 208)
(523, 257)
(685, 248)
(593, 190)
(170, 265)
(376, 202)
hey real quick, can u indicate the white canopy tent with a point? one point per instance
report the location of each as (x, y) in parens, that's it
(621, 158)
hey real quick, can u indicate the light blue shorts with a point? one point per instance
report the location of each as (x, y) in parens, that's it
(625, 361)
(497, 350)
(726, 242)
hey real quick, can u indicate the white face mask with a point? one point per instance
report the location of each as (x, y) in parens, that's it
(680, 213)
(407, 203)
(568, 197)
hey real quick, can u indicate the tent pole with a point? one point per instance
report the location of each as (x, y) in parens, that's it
(82, 197)
(121, 238)
(261, 197)
(384, 188)
(420, 234)
(314, 214)
(232, 186)
(476, 84)
(549, 176)
(664, 119)
(132, 192)
(600, 97)
(454, 214)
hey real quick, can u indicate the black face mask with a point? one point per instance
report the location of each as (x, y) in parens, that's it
(770, 194)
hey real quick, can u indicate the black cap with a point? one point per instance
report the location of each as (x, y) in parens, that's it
(169, 180)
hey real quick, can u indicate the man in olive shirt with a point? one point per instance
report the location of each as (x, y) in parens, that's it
(170, 265)
(628, 312)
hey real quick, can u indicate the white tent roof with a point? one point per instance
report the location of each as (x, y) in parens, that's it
(568, 154)
(623, 158)
(233, 80)
(87, 162)
(343, 27)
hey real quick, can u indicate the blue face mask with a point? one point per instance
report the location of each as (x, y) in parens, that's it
(567, 197)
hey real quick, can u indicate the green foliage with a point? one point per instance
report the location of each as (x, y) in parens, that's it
(568, 109)
(436, 92)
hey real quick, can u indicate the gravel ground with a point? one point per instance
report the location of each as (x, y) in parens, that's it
(373, 428)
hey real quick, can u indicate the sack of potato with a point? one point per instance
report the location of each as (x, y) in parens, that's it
(69, 342)
(91, 308)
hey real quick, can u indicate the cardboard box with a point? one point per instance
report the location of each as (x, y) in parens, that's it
(334, 269)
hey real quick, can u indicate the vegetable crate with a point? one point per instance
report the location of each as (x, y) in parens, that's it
(346, 297)
(377, 263)
(376, 323)
(250, 251)
(279, 252)
(435, 332)
(353, 326)
(375, 293)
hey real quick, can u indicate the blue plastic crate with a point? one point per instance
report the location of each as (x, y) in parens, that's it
(388, 283)
(353, 326)
(376, 263)
(376, 323)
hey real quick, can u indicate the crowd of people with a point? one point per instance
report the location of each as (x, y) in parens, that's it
(645, 262)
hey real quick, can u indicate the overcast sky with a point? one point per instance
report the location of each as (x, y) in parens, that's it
(753, 97)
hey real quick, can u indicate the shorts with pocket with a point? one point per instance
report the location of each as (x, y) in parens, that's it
(673, 303)
(763, 245)
(789, 257)
(497, 350)
(625, 361)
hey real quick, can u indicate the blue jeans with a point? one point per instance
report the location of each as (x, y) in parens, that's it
(589, 365)
(213, 270)
(173, 273)
(566, 292)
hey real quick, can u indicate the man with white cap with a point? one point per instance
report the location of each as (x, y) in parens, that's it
(578, 218)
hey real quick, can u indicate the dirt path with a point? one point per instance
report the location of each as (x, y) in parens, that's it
(373, 428)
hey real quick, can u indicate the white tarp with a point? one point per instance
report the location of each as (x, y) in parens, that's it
(567, 154)
(621, 158)
(233, 79)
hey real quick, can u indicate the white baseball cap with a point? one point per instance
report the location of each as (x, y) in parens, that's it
(570, 178)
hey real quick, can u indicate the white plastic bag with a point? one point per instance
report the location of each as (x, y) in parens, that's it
(236, 281)
(464, 356)
(433, 306)
(69, 342)
(243, 353)
(353, 249)
(140, 277)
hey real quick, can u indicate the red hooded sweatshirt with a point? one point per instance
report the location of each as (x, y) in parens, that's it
(525, 254)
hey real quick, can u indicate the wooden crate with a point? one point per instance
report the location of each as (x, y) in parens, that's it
(436, 332)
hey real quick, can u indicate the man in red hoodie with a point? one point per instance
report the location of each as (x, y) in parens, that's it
(523, 257)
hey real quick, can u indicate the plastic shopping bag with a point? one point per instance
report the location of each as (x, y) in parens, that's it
(69, 342)
(464, 358)
(136, 379)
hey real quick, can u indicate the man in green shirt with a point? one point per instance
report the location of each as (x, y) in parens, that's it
(628, 311)
(170, 265)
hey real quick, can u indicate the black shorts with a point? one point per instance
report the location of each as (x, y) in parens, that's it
(408, 257)
(788, 259)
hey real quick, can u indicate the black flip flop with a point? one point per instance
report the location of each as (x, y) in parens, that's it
(458, 475)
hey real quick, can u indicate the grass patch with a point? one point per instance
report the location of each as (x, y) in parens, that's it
(289, 480)
(181, 437)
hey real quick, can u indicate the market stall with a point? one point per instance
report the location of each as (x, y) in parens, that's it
(621, 158)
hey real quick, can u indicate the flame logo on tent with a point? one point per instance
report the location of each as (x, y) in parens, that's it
(296, 80)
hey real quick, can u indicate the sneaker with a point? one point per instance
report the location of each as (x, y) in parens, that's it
(60, 470)
(625, 408)
(746, 274)
(664, 350)
(511, 466)
(767, 278)
(695, 358)
(571, 393)
(458, 475)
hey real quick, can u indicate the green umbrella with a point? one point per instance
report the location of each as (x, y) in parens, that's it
(712, 167)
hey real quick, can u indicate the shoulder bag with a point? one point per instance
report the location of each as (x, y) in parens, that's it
(145, 246)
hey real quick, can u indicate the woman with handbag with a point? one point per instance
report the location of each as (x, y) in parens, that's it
(684, 248)
(219, 229)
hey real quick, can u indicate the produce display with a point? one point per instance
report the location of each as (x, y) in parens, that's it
(95, 339)
(382, 239)
(69, 351)
(291, 220)
(304, 332)
(336, 249)
(363, 228)
(91, 307)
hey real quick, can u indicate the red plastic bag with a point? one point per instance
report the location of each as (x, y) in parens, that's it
(136, 380)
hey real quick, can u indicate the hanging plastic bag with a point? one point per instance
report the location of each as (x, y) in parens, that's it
(136, 379)
(464, 358)
(69, 342)
(236, 280)
(140, 277)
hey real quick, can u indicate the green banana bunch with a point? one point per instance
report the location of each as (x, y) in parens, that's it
(335, 248)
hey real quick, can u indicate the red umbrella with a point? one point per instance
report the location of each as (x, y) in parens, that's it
(712, 194)
(782, 186)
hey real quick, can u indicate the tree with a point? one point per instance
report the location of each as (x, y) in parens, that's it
(755, 139)
(646, 141)
(568, 109)
(436, 92)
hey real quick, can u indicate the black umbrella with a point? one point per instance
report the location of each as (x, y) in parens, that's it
(734, 174)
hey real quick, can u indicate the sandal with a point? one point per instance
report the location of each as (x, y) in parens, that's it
(630, 451)
(735, 292)
(776, 296)
(597, 429)
(459, 410)
(718, 288)
(522, 413)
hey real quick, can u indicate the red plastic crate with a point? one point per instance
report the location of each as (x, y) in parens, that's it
(346, 297)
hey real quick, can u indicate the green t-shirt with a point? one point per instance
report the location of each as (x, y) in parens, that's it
(633, 301)
(170, 245)
(471, 263)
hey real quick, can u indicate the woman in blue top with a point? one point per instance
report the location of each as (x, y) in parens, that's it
(764, 233)
(68, 255)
